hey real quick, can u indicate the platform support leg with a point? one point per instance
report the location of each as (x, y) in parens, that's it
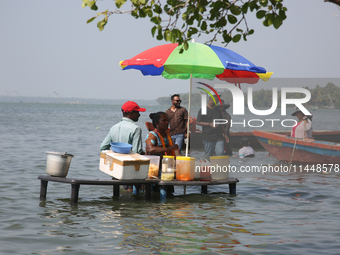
(43, 189)
(204, 189)
(74, 193)
(163, 191)
(147, 191)
(116, 190)
(232, 188)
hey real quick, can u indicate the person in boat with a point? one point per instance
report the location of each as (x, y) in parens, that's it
(303, 129)
(126, 131)
(178, 120)
(213, 136)
(226, 116)
(158, 141)
(246, 151)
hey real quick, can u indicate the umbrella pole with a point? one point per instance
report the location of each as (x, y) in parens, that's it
(188, 123)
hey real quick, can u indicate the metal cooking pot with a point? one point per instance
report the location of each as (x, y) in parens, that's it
(58, 163)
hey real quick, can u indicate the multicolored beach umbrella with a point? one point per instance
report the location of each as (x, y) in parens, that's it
(198, 61)
(202, 61)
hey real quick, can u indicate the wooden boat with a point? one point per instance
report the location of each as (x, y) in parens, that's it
(235, 137)
(299, 151)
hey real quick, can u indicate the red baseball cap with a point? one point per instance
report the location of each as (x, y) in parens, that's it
(130, 106)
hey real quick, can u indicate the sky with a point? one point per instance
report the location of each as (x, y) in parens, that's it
(47, 47)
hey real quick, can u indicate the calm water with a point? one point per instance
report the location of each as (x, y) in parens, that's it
(277, 213)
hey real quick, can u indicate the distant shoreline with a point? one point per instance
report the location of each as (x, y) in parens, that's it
(56, 100)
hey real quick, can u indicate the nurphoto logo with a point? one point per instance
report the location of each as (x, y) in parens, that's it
(238, 105)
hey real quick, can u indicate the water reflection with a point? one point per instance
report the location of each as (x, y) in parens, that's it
(175, 227)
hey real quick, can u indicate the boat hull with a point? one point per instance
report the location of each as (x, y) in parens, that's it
(235, 138)
(299, 151)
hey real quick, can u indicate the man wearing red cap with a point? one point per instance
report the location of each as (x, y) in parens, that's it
(126, 131)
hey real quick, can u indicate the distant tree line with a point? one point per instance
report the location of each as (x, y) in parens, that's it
(322, 97)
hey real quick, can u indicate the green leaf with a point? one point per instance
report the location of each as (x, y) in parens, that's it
(190, 21)
(270, 18)
(236, 38)
(153, 31)
(101, 24)
(186, 45)
(92, 19)
(264, 3)
(226, 37)
(251, 31)
(85, 3)
(277, 22)
(119, 3)
(143, 1)
(142, 13)
(244, 8)
(232, 19)
(235, 10)
(172, 37)
(157, 20)
(159, 37)
(193, 30)
(204, 26)
(177, 33)
(253, 5)
(167, 35)
(282, 15)
(260, 14)
(94, 7)
(157, 9)
(265, 23)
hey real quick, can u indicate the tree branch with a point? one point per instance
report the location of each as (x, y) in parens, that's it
(337, 2)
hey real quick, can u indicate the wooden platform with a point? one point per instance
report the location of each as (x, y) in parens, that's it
(75, 185)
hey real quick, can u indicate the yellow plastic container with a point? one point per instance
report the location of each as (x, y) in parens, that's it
(185, 168)
(219, 167)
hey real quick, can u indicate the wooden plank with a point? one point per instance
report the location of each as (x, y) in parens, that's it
(126, 182)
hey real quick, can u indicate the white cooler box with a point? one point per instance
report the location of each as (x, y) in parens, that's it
(124, 166)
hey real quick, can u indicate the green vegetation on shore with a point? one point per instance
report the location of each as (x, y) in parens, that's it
(322, 97)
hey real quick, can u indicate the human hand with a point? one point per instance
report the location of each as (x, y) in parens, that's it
(226, 138)
(174, 147)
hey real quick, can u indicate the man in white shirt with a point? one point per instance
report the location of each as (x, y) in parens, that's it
(246, 151)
